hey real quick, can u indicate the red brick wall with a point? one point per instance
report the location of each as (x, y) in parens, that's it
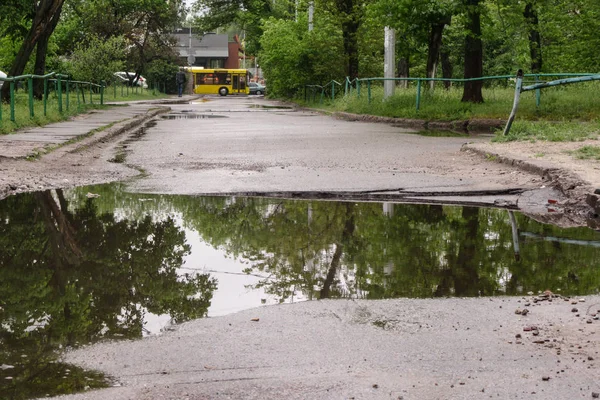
(233, 61)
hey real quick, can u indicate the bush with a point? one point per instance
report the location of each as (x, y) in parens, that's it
(98, 61)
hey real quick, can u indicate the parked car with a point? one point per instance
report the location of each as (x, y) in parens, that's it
(2, 75)
(123, 78)
(257, 88)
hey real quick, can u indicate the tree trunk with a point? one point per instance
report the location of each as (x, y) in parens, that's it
(446, 68)
(403, 71)
(347, 233)
(535, 40)
(42, 23)
(40, 56)
(350, 25)
(473, 54)
(433, 55)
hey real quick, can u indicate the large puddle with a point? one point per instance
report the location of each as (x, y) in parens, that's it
(93, 263)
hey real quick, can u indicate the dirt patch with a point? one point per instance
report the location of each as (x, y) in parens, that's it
(576, 179)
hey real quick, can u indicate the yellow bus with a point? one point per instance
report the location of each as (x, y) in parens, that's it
(220, 81)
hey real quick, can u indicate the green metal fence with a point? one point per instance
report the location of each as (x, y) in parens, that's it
(519, 88)
(63, 88)
(353, 87)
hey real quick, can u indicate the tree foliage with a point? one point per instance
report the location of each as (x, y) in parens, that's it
(292, 57)
(98, 60)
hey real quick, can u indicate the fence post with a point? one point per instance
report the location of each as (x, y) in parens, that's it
(67, 92)
(332, 90)
(12, 101)
(357, 88)
(369, 91)
(418, 94)
(102, 92)
(538, 93)
(45, 95)
(346, 87)
(59, 94)
(322, 94)
(77, 94)
(1, 104)
(91, 94)
(30, 91)
(518, 86)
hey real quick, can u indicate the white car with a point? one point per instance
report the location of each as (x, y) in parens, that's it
(123, 77)
(2, 75)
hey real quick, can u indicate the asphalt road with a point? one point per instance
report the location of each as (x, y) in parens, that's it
(250, 144)
(474, 348)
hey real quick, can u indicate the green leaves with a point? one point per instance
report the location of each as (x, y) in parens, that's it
(292, 57)
(98, 59)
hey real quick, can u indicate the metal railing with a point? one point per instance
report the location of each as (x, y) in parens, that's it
(356, 84)
(61, 82)
(519, 88)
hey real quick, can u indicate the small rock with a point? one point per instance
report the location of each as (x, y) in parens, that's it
(375, 386)
(518, 311)
(255, 319)
(518, 336)
(525, 312)
(589, 321)
(545, 378)
(595, 395)
(536, 332)
(574, 310)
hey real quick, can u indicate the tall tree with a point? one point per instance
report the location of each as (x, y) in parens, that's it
(535, 40)
(473, 53)
(47, 13)
(350, 14)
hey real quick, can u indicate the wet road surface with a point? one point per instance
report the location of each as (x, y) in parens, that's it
(252, 145)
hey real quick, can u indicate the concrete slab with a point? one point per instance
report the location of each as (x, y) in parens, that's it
(31, 141)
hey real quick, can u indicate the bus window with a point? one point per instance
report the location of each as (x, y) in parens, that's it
(221, 78)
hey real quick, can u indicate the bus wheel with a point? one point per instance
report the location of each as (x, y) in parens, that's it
(223, 91)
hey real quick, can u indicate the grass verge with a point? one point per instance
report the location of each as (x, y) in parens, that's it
(565, 113)
(52, 114)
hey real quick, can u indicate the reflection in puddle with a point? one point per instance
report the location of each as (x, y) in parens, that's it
(97, 262)
(188, 115)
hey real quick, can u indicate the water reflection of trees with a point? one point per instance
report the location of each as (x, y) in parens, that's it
(333, 249)
(70, 276)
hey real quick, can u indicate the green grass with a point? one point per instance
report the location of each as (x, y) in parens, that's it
(587, 153)
(24, 120)
(566, 113)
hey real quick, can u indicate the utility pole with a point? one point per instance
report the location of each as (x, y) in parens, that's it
(389, 62)
(311, 11)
